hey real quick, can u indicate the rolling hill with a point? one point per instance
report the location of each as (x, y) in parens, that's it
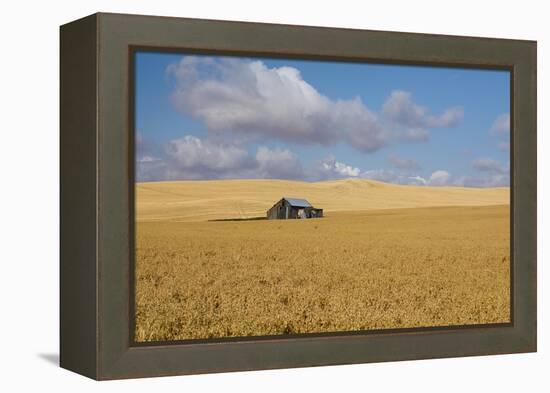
(205, 200)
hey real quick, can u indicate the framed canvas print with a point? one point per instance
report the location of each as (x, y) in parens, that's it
(241, 196)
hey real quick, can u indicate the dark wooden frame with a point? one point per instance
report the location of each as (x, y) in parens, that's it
(97, 195)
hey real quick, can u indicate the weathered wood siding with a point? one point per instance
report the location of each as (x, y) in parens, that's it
(283, 210)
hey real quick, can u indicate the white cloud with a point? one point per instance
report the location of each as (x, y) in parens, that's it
(194, 158)
(330, 168)
(418, 180)
(191, 152)
(501, 125)
(494, 176)
(439, 178)
(400, 110)
(346, 170)
(491, 179)
(489, 165)
(277, 164)
(451, 117)
(259, 103)
(248, 98)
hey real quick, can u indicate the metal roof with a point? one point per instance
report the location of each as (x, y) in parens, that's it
(297, 202)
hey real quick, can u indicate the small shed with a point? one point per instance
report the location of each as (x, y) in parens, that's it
(293, 208)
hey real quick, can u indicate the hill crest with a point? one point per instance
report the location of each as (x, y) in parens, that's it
(201, 200)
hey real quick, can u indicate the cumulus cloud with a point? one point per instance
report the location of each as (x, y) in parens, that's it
(501, 125)
(346, 170)
(489, 179)
(330, 168)
(439, 178)
(191, 157)
(247, 98)
(414, 119)
(277, 164)
(402, 163)
(192, 152)
(491, 174)
(489, 165)
(194, 158)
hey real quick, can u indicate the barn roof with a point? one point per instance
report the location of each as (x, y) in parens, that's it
(297, 202)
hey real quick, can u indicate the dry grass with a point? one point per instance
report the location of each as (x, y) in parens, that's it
(214, 199)
(352, 270)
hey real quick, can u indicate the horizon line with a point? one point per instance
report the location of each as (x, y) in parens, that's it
(320, 181)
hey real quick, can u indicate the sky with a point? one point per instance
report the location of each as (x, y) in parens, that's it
(222, 117)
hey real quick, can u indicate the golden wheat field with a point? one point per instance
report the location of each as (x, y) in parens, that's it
(384, 256)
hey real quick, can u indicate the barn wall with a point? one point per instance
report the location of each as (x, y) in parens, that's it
(275, 213)
(278, 211)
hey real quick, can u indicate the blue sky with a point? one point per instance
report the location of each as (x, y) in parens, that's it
(204, 117)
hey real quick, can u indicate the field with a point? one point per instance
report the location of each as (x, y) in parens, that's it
(385, 256)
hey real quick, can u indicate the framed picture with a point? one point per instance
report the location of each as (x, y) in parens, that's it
(242, 196)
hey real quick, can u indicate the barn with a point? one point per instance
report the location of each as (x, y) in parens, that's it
(288, 208)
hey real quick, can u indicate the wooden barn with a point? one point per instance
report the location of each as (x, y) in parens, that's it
(293, 208)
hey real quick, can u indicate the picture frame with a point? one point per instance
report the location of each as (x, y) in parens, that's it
(97, 196)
